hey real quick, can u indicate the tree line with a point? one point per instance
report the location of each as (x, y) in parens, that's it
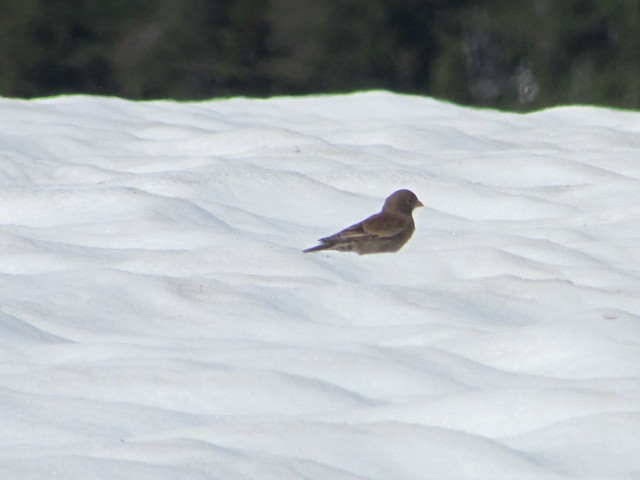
(517, 55)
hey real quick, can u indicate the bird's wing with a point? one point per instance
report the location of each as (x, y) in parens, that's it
(376, 226)
(384, 225)
(354, 231)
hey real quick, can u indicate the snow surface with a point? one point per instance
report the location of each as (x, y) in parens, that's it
(159, 321)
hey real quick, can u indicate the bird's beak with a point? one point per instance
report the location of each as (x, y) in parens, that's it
(419, 204)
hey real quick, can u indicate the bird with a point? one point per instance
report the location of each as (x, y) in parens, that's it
(386, 231)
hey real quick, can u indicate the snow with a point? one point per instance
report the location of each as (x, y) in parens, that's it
(158, 319)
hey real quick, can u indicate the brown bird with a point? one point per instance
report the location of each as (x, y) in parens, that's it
(386, 231)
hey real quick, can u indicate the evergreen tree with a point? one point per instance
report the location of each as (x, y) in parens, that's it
(497, 53)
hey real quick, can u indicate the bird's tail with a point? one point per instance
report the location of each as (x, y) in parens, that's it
(317, 248)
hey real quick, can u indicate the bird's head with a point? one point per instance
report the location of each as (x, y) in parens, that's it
(402, 201)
